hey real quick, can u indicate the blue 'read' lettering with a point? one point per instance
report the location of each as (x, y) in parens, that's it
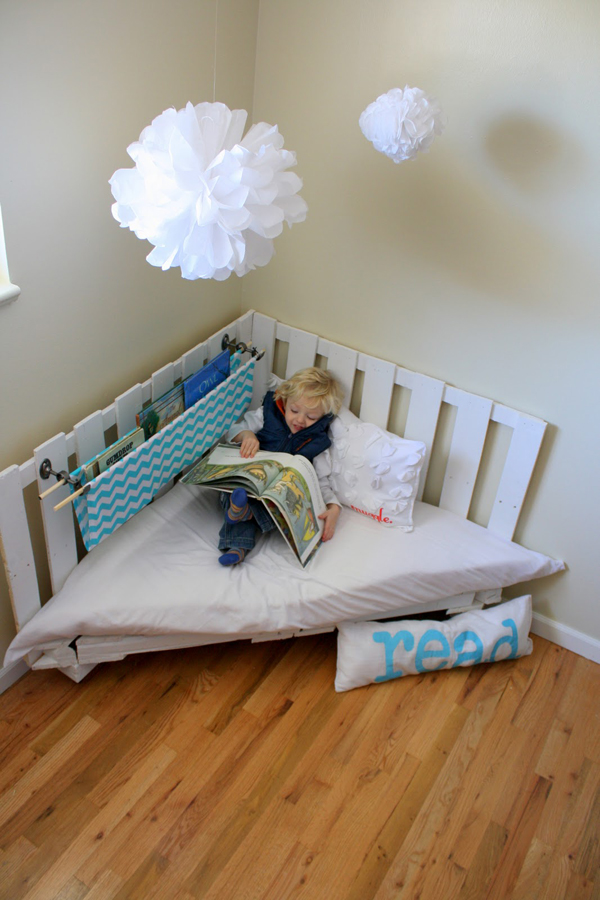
(390, 643)
(465, 657)
(432, 634)
(511, 639)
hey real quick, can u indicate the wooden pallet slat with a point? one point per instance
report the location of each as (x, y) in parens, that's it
(423, 413)
(466, 448)
(163, 380)
(302, 351)
(56, 654)
(59, 527)
(215, 342)
(16, 549)
(263, 338)
(89, 437)
(518, 468)
(193, 360)
(244, 328)
(341, 361)
(127, 405)
(377, 390)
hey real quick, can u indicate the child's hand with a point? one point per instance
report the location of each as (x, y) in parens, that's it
(330, 517)
(248, 444)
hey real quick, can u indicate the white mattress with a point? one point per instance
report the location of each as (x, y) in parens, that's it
(159, 574)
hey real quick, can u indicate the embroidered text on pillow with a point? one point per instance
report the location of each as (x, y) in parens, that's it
(379, 517)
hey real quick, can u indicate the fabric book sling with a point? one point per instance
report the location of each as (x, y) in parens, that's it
(125, 488)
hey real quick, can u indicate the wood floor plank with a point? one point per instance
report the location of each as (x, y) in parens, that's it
(534, 872)
(59, 837)
(405, 874)
(72, 890)
(292, 871)
(98, 756)
(574, 783)
(587, 860)
(82, 703)
(483, 783)
(558, 876)
(15, 767)
(259, 784)
(106, 887)
(135, 838)
(485, 863)
(11, 860)
(521, 827)
(25, 711)
(518, 673)
(235, 772)
(343, 802)
(107, 819)
(412, 781)
(539, 706)
(44, 770)
(293, 673)
(239, 771)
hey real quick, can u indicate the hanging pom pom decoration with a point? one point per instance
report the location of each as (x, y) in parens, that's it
(402, 122)
(208, 199)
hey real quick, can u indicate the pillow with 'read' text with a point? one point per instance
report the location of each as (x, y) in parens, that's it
(375, 652)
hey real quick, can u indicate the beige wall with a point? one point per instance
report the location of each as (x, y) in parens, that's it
(78, 82)
(476, 263)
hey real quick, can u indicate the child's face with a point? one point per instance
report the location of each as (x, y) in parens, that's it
(302, 413)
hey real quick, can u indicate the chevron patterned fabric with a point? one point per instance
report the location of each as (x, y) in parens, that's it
(128, 486)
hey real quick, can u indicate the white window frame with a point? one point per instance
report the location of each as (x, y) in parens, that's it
(8, 290)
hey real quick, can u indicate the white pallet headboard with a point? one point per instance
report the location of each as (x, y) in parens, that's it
(473, 415)
(377, 382)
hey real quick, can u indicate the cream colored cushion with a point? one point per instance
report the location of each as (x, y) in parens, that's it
(374, 472)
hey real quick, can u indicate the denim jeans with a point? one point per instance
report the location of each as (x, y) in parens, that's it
(242, 535)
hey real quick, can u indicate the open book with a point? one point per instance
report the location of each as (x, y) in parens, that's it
(286, 484)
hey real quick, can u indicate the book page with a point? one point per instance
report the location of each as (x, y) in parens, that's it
(298, 495)
(284, 482)
(226, 469)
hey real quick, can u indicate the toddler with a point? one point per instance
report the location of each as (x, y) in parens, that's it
(294, 418)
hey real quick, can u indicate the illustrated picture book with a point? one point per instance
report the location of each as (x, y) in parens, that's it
(111, 455)
(154, 417)
(287, 485)
(160, 412)
(202, 382)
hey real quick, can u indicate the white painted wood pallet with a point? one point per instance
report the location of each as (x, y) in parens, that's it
(426, 399)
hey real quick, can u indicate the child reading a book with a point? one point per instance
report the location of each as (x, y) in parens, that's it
(294, 419)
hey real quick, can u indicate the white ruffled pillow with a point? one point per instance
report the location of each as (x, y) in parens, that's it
(374, 652)
(374, 472)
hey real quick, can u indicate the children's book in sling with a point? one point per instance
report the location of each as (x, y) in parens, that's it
(287, 485)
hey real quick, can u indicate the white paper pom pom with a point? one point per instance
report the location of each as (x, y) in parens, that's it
(208, 200)
(402, 122)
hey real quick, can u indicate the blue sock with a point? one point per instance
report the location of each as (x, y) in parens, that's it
(239, 508)
(232, 557)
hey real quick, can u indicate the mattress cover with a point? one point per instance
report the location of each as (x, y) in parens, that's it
(159, 574)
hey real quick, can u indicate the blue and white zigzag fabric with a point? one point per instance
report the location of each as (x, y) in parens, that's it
(125, 488)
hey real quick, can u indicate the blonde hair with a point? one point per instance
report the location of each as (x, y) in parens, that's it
(313, 383)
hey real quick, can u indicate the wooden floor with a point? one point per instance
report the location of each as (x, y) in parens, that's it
(236, 771)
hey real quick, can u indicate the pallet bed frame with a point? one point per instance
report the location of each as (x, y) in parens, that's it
(462, 455)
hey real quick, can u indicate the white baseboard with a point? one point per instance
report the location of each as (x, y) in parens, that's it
(566, 637)
(12, 673)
